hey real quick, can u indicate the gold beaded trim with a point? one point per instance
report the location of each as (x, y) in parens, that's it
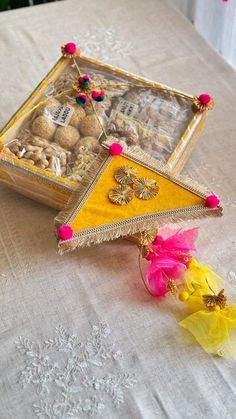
(172, 287)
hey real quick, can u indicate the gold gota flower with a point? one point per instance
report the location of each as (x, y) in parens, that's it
(146, 237)
(126, 175)
(144, 241)
(121, 195)
(212, 302)
(203, 102)
(145, 188)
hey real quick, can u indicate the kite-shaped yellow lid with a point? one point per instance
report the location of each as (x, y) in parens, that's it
(124, 193)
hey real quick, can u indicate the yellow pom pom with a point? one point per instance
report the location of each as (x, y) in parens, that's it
(184, 296)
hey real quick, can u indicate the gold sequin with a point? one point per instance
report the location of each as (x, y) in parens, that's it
(145, 188)
(121, 195)
(126, 175)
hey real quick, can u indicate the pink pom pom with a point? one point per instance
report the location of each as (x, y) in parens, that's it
(204, 99)
(70, 48)
(212, 201)
(65, 232)
(115, 149)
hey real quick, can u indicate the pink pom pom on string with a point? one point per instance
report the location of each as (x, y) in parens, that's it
(70, 48)
(212, 201)
(115, 149)
(204, 98)
(65, 232)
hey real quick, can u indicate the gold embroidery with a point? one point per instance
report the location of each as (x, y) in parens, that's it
(121, 195)
(126, 175)
(145, 188)
(201, 107)
(211, 301)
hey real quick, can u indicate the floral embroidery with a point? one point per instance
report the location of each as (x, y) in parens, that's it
(105, 44)
(232, 277)
(74, 383)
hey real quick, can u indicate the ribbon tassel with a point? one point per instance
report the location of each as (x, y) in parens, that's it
(212, 321)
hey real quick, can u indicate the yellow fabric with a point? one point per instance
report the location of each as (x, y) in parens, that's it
(98, 210)
(211, 329)
(197, 281)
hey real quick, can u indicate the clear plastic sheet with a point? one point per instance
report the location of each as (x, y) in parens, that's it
(62, 137)
(152, 120)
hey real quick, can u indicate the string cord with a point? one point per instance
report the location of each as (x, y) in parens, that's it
(141, 273)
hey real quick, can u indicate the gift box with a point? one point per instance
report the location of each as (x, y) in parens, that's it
(50, 143)
(106, 147)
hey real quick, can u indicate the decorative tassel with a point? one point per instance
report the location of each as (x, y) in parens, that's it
(212, 320)
(168, 255)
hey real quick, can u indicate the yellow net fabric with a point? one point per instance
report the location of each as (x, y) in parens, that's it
(200, 280)
(210, 327)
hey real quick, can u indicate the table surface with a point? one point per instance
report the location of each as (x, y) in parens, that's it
(60, 316)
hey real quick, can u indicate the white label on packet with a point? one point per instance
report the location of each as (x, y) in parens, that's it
(127, 108)
(60, 115)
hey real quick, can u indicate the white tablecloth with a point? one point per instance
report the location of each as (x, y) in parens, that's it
(59, 316)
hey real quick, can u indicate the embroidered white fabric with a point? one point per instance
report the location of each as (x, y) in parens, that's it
(105, 44)
(74, 371)
(75, 383)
